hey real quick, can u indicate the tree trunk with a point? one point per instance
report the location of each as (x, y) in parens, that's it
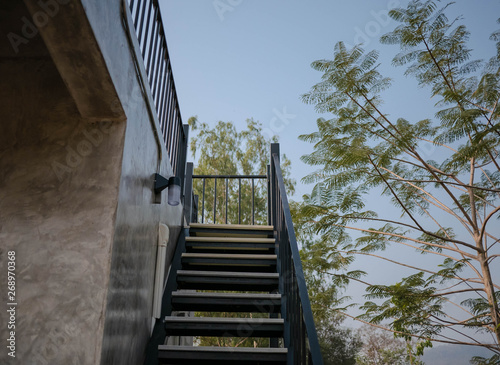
(490, 292)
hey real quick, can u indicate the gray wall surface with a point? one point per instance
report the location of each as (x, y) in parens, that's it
(76, 204)
(59, 190)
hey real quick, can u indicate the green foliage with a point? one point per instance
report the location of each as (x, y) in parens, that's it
(222, 150)
(478, 360)
(411, 303)
(232, 341)
(339, 346)
(362, 151)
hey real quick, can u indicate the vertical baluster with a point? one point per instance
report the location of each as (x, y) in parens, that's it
(268, 183)
(203, 203)
(195, 214)
(140, 9)
(134, 9)
(171, 120)
(303, 336)
(164, 92)
(152, 50)
(215, 199)
(239, 201)
(147, 38)
(175, 143)
(159, 64)
(253, 201)
(168, 114)
(296, 328)
(164, 104)
(227, 196)
(142, 41)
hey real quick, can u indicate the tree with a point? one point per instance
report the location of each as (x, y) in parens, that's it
(339, 345)
(225, 151)
(382, 348)
(447, 207)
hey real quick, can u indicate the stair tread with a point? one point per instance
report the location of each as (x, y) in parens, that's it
(232, 226)
(230, 274)
(223, 349)
(228, 280)
(223, 320)
(229, 239)
(211, 355)
(226, 295)
(229, 256)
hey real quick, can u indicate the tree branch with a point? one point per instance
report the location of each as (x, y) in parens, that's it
(492, 347)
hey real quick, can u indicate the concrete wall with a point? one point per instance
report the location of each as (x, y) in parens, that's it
(76, 204)
(59, 192)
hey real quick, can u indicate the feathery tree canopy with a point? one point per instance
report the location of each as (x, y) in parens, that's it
(225, 151)
(446, 206)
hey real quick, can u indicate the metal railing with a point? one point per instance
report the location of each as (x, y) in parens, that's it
(231, 199)
(300, 335)
(190, 200)
(150, 33)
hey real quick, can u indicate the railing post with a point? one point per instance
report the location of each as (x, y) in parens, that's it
(275, 150)
(194, 217)
(296, 306)
(188, 198)
(269, 222)
(182, 157)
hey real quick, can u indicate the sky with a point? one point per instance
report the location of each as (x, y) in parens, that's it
(239, 59)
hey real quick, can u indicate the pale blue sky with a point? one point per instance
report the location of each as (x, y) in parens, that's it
(252, 60)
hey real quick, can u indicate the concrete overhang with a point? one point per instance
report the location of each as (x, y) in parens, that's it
(72, 45)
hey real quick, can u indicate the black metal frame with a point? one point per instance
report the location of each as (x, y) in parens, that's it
(226, 179)
(148, 26)
(159, 331)
(299, 336)
(300, 332)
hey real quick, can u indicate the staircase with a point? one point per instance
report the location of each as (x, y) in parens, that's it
(217, 259)
(235, 268)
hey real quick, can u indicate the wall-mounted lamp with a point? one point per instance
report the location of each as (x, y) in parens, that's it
(174, 188)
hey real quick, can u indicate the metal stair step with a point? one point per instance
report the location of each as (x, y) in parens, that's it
(230, 244)
(233, 262)
(227, 280)
(224, 327)
(230, 230)
(226, 302)
(221, 355)
(230, 239)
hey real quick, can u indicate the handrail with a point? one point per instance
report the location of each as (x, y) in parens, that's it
(151, 38)
(224, 215)
(300, 333)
